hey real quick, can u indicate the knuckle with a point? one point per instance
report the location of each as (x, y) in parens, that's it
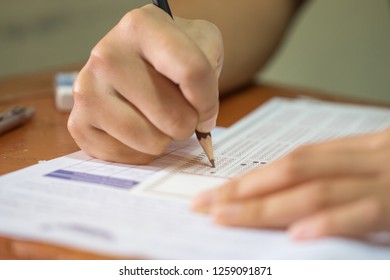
(74, 127)
(84, 88)
(99, 59)
(80, 93)
(134, 19)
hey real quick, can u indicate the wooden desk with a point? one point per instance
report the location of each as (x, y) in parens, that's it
(46, 137)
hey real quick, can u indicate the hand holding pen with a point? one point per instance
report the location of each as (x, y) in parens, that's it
(203, 137)
(148, 81)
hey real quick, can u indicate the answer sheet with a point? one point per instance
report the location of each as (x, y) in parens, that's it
(266, 135)
(132, 211)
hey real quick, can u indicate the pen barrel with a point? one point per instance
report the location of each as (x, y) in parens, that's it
(14, 117)
(11, 123)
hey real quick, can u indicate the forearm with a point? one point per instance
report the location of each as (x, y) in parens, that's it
(251, 29)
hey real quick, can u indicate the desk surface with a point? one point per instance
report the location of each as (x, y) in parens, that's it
(46, 137)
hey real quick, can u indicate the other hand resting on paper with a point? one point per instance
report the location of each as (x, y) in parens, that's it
(149, 80)
(337, 188)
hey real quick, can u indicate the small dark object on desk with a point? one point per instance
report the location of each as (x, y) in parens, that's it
(14, 117)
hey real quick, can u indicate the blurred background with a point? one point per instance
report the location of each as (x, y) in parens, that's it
(340, 46)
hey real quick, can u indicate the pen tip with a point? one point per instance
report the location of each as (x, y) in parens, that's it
(212, 163)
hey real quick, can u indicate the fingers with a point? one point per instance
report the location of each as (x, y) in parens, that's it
(350, 207)
(226, 193)
(130, 128)
(354, 219)
(339, 188)
(176, 56)
(99, 144)
(119, 134)
(346, 157)
(159, 100)
(282, 208)
(304, 165)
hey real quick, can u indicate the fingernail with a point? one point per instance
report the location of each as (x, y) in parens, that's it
(208, 125)
(203, 201)
(302, 231)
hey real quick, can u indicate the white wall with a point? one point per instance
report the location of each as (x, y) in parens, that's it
(341, 46)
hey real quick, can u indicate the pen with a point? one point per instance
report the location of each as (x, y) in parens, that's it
(14, 117)
(204, 138)
(163, 4)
